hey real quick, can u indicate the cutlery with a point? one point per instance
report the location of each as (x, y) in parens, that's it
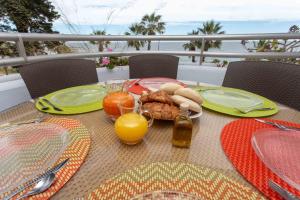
(280, 126)
(31, 121)
(51, 104)
(40, 187)
(205, 88)
(247, 110)
(42, 105)
(282, 192)
(37, 179)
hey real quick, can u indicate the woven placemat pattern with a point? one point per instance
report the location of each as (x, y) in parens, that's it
(236, 143)
(26, 151)
(205, 183)
(76, 152)
(108, 157)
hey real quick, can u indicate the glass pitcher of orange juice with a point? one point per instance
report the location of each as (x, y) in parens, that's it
(132, 126)
(117, 92)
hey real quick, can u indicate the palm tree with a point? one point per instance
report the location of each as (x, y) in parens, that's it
(209, 28)
(152, 25)
(101, 44)
(135, 29)
(192, 45)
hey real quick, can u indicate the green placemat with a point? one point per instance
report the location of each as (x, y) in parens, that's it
(224, 99)
(75, 100)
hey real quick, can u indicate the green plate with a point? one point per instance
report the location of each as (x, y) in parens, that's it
(225, 100)
(75, 100)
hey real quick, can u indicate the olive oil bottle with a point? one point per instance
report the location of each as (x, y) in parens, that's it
(183, 128)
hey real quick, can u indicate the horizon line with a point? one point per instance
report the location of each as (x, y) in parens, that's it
(181, 22)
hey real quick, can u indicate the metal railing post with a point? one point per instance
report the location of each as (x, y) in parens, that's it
(202, 50)
(20, 48)
(18, 38)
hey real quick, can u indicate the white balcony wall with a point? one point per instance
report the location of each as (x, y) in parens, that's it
(12, 93)
(13, 90)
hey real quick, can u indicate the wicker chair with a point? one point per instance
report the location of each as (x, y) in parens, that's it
(153, 65)
(48, 76)
(277, 81)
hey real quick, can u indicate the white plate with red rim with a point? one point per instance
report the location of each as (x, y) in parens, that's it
(154, 83)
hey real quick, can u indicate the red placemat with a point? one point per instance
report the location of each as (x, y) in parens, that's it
(236, 143)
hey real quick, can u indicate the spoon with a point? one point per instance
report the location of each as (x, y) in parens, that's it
(40, 187)
(282, 192)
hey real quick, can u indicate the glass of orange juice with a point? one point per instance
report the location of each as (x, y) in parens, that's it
(132, 126)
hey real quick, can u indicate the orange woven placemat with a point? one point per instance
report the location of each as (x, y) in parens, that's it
(236, 143)
(76, 152)
(206, 183)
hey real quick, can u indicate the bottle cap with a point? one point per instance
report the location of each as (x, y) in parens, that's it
(184, 106)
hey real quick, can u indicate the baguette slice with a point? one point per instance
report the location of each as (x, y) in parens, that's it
(193, 106)
(190, 94)
(170, 88)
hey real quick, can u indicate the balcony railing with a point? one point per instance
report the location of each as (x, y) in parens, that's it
(19, 38)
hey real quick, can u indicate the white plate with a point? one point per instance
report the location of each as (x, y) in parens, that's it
(194, 115)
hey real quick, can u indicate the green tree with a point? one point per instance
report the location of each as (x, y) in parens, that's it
(35, 16)
(210, 28)
(192, 45)
(135, 29)
(152, 24)
(7, 49)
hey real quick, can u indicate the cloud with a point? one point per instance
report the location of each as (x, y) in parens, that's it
(97, 6)
(95, 12)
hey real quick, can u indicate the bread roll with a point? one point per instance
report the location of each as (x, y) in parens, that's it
(192, 105)
(190, 94)
(170, 87)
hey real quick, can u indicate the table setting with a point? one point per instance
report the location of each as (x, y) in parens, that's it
(73, 100)
(29, 150)
(150, 138)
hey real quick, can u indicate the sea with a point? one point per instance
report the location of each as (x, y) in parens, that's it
(226, 46)
(177, 28)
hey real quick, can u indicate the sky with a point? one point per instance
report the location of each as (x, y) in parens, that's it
(116, 15)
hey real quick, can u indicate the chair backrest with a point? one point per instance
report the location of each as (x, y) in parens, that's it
(274, 80)
(153, 65)
(48, 76)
